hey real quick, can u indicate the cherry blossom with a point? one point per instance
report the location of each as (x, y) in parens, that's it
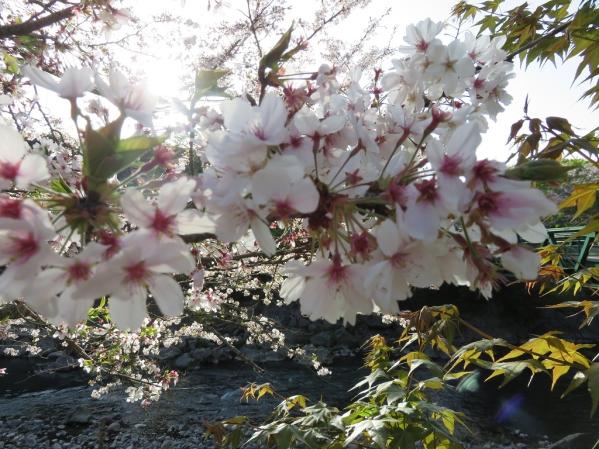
(451, 66)
(421, 35)
(282, 183)
(522, 262)
(514, 208)
(24, 249)
(134, 99)
(327, 289)
(54, 286)
(252, 130)
(141, 265)
(370, 191)
(17, 166)
(164, 217)
(72, 84)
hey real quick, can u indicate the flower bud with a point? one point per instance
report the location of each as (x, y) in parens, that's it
(539, 170)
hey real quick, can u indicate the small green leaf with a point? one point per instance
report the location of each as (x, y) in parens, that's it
(272, 58)
(12, 64)
(207, 83)
(538, 170)
(592, 375)
(560, 124)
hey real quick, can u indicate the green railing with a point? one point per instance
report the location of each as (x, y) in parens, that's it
(579, 252)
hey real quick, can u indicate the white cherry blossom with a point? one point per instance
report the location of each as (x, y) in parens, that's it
(73, 83)
(17, 166)
(134, 99)
(327, 289)
(142, 265)
(164, 218)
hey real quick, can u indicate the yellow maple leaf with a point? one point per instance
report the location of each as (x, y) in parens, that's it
(582, 197)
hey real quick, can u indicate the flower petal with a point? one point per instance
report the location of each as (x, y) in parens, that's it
(263, 237)
(167, 293)
(128, 308)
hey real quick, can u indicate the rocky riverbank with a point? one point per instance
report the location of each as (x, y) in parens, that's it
(44, 402)
(70, 419)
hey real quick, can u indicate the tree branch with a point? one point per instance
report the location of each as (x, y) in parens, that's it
(29, 26)
(253, 29)
(534, 42)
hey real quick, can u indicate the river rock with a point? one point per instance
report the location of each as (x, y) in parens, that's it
(183, 361)
(231, 396)
(114, 427)
(57, 355)
(324, 338)
(169, 353)
(79, 416)
(259, 355)
(211, 355)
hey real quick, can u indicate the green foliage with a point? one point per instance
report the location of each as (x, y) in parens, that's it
(543, 153)
(538, 170)
(391, 410)
(106, 154)
(543, 33)
(275, 56)
(589, 308)
(274, 60)
(548, 354)
(206, 84)
(394, 407)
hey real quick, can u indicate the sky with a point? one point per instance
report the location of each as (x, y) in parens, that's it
(549, 89)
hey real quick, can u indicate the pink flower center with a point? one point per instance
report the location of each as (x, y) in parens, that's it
(397, 193)
(422, 45)
(162, 223)
(8, 170)
(484, 171)
(360, 243)
(110, 240)
(295, 141)
(25, 247)
(488, 202)
(163, 155)
(451, 165)
(294, 98)
(439, 115)
(136, 273)
(398, 260)
(353, 178)
(337, 273)
(258, 132)
(479, 83)
(428, 191)
(79, 271)
(10, 208)
(284, 209)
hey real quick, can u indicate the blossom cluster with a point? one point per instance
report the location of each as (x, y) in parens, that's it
(380, 183)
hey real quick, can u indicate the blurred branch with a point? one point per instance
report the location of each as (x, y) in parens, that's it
(29, 26)
(253, 28)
